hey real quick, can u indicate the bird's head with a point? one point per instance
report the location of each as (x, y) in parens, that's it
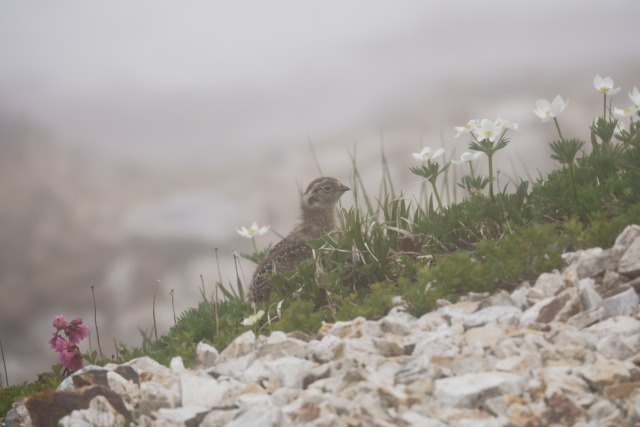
(323, 193)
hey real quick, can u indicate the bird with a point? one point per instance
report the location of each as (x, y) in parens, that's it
(316, 219)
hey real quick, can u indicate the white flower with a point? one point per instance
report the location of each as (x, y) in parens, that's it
(252, 231)
(488, 130)
(635, 96)
(253, 319)
(467, 157)
(605, 85)
(470, 126)
(547, 110)
(427, 154)
(506, 124)
(627, 112)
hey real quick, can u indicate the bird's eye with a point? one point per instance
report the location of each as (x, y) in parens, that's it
(327, 188)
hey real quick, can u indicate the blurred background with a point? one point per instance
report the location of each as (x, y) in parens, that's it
(135, 136)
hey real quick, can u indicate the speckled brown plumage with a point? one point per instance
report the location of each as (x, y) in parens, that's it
(316, 219)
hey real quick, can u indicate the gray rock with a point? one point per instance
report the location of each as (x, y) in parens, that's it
(612, 346)
(628, 235)
(588, 295)
(624, 303)
(630, 261)
(586, 318)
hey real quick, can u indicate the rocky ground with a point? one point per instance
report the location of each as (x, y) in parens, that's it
(563, 351)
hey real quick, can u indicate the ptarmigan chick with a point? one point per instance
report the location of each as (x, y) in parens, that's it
(316, 219)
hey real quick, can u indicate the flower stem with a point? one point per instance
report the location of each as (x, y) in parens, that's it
(555, 120)
(604, 107)
(255, 248)
(6, 376)
(95, 320)
(573, 182)
(435, 192)
(490, 157)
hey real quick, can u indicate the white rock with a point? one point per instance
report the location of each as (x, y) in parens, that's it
(288, 371)
(623, 325)
(500, 315)
(471, 390)
(177, 365)
(206, 355)
(241, 346)
(129, 390)
(329, 347)
(147, 364)
(99, 414)
(256, 410)
(431, 321)
(443, 342)
(549, 284)
(233, 367)
(185, 415)
(519, 296)
(531, 314)
(201, 389)
(162, 392)
(67, 383)
(415, 419)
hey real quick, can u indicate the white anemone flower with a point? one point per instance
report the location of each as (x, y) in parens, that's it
(547, 110)
(466, 157)
(253, 319)
(635, 96)
(488, 129)
(506, 124)
(469, 127)
(427, 154)
(605, 85)
(626, 112)
(252, 231)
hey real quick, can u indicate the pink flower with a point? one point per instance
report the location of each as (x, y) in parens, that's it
(76, 331)
(71, 360)
(58, 343)
(58, 322)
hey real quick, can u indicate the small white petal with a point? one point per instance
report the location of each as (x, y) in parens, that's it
(635, 96)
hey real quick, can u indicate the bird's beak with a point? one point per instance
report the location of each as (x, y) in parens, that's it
(344, 188)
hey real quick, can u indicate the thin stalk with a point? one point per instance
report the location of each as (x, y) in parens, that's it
(314, 157)
(573, 182)
(435, 192)
(95, 320)
(173, 306)
(115, 345)
(490, 157)
(604, 107)
(215, 302)
(6, 376)
(386, 176)
(555, 120)
(155, 326)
